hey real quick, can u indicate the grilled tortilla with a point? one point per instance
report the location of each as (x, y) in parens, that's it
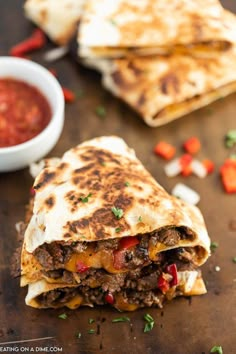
(120, 28)
(104, 231)
(59, 19)
(164, 88)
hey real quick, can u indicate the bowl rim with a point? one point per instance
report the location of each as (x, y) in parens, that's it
(58, 113)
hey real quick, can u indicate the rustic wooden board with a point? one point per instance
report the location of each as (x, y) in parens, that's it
(184, 326)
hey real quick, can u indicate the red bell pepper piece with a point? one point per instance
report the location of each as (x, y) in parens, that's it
(172, 270)
(36, 41)
(109, 298)
(185, 163)
(165, 150)
(128, 242)
(118, 259)
(209, 165)
(163, 284)
(192, 145)
(68, 95)
(228, 175)
(81, 267)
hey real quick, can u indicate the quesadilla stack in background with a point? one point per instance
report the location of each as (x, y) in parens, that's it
(103, 231)
(163, 58)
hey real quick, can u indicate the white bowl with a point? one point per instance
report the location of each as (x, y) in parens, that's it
(19, 156)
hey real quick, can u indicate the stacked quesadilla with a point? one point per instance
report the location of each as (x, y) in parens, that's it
(163, 58)
(103, 231)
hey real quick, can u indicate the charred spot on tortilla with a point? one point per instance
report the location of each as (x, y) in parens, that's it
(50, 202)
(169, 82)
(45, 179)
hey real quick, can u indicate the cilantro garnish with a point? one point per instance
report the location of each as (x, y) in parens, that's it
(127, 184)
(85, 199)
(217, 349)
(117, 212)
(78, 335)
(140, 219)
(118, 229)
(230, 138)
(234, 259)
(91, 331)
(91, 320)
(101, 111)
(63, 316)
(150, 323)
(121, 319)
(214, 246)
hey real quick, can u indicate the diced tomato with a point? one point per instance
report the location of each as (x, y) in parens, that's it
(68, 95)
(109, 298)
(163, 284)
(118, 259)
(228, 175)
(81, 267)
(165, 150)
(36, 41)
(192, 145)
(209, 165)
(172, 270)
(185, 163)
(128, 242)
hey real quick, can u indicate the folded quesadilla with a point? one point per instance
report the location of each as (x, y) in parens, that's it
(147, 27)
(103, 231)
(59, 19)
(163, 88)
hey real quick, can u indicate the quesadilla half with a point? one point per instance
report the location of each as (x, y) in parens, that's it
(59, 19)
(103, 231)
(164, 88)
(118, 28)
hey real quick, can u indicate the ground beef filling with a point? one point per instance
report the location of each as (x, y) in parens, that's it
(137, 285)
(55, 255)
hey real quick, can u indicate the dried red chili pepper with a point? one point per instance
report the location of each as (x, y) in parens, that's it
(36, 41)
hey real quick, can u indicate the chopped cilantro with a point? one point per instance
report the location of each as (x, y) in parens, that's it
(217, 349)
(79, 93)
(117, 212)
(140, 219)
(103, 163)
(91, 331)
(230, 138)
(63, 316)
(112, 21)
(234, 259)
(121, 319)
(78, 335)
(214, 246)
(150, 323)
(86, 199)
(118, 229)
(127, 184)
(91, 320)
(101, 111)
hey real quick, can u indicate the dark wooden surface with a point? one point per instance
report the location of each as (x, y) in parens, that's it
(184, 326)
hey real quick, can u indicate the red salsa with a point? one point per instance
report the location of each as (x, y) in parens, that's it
(24, 112)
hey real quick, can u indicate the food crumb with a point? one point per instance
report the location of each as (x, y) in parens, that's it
(217, 268)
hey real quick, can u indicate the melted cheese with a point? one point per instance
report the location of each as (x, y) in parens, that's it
(100, 259)
(75, 302)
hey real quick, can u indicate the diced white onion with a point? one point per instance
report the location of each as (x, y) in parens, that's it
(187, 279)
(55, 54)
(185, 193)
(173, 168)
(198, 168)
